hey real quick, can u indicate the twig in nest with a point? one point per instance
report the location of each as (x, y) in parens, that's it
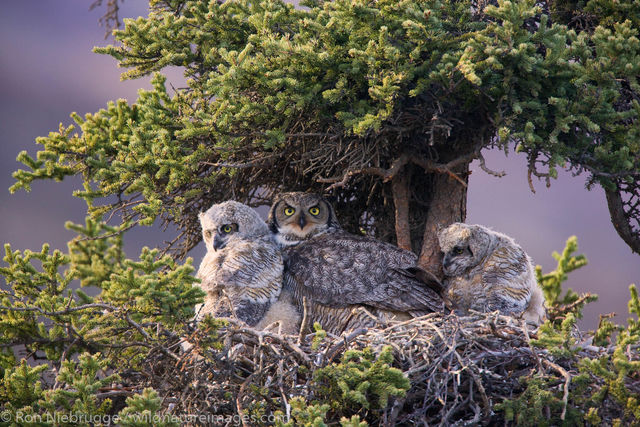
(471, 369)
(525, 331)
(240, 396)
(260, 335)
(332, 352)
(305, 319)
(567, 380)
(390, 420)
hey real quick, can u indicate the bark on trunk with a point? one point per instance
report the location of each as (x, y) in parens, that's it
(448, 205)
(622, 221)
(400, 189)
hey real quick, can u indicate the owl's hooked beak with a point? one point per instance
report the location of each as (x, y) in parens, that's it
(218, 242)
(302, 221)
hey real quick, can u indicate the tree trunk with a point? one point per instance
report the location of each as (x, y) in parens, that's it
(400, 190)
(448, 205)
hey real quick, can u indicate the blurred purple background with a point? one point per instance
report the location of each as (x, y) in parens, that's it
(48, 70)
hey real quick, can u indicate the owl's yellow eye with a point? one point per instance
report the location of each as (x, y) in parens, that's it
(288, 211)
(458, 251)
(314, 211)
(226, 228)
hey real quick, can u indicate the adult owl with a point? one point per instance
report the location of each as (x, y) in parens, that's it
(349, 281)
(242, 270)
(487, 271)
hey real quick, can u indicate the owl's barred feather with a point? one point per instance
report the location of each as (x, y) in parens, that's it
(242, 270)
(350, 281)
(341, 269)
(487, 271)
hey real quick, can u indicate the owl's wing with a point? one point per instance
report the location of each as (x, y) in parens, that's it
(341, 269)
(508, 275)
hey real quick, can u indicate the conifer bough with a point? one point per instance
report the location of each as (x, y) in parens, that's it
(382, 104)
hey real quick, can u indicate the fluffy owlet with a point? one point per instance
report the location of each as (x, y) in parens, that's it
(487, 271)
(349, 281)
(242, 270)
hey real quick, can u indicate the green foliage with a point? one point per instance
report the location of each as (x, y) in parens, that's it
(615, 370)
(313, 415)
(80, 382)
(362, 379)
(144, 409)
(346, 59)
(21, 386)
(42, 311)
(556, 334)
(279, 97)
(551, 282)
(73, 399)
(254, 70)
(320, 335)
(354, 421)
(208, 329)
(266, 81)
(606, 328)
(559, 341)
(303, 414)
(532, 407)
(602, 382)
(559, 88)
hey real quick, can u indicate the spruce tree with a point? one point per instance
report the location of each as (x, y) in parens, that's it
(381, 105)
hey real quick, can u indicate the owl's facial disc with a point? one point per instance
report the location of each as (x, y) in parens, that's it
(457, 259)
(301, 229)
(298, 216)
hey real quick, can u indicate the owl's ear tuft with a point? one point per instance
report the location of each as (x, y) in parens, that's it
(333, 218)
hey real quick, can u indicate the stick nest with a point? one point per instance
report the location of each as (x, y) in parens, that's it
(459, 369)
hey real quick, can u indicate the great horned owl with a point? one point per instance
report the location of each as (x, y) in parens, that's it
(242, 270)
(486, 271)
(349, 281)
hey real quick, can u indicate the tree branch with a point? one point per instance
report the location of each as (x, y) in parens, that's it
(111, 18)
(68, 310)
(397, 166)
(621, 220)
(484, 167)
